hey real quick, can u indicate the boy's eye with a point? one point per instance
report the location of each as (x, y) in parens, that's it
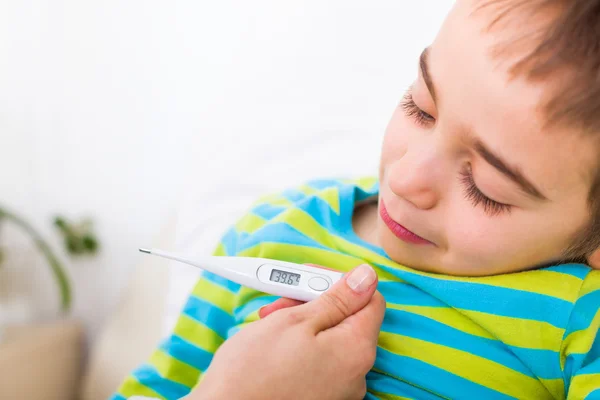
(491, 207)
(472, 192)
(413, 111)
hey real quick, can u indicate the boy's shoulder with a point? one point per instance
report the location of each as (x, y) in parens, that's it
(331, 191)
(590, 286)
(314, 205)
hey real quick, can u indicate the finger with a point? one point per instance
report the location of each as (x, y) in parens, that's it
(278, 304)
(366, 323)
(349, 295)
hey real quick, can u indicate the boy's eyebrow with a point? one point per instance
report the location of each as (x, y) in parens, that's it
(425, 72)
(513, 173)
(495, 161)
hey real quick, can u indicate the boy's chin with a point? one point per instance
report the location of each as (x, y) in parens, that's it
(429, 259)
(420, 258)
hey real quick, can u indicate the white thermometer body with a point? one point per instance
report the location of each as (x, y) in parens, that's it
(279, 278)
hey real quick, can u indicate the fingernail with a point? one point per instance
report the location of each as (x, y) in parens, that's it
(361, 278)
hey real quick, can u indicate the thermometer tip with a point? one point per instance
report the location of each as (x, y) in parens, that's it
(145, 251)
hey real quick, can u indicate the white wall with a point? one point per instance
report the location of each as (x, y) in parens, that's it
(106, 107)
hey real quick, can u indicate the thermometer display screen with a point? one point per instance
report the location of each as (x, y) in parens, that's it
(285, 277)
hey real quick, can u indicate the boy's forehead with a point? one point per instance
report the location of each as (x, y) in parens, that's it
(504, 111)
(527, 40)
(463, 58)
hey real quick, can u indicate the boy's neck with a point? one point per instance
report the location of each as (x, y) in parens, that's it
(364, 222)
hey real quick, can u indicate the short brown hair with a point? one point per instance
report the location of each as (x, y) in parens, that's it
(566, 41)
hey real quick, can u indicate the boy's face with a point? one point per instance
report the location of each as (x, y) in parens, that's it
(468, 165)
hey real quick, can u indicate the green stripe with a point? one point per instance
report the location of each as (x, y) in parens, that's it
(198, 334)
(176, 370)
(131, 387)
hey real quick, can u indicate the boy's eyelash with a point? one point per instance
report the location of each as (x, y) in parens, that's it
(491, 207)
(412, 110)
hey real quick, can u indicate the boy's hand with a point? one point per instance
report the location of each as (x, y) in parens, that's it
(319, 350)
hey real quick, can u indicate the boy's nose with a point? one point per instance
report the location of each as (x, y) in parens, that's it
(416, 181)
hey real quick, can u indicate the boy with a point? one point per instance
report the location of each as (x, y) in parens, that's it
(489, 190)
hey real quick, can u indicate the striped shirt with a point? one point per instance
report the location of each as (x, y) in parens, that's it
(528, 335)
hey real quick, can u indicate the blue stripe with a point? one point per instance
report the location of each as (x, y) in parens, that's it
(578, 363)
(148, 376)
(322, 184)
(229, 241)
(491, 299)
(423, 328)
(584, 312)
(422, 375)
(321, 212)
(344, 226)
(293, 195)
(575, 364)
(279, 233)
(117, 397)
(594, 395)
(352, 195)
(361, 195)
(590, 369)
(268, 211)
(544, 364)
(209, 315)
(186, 352)
(571, 365)
(577, 270)
(220, 281)
(375, 188)
(243, 236)
(402, 293)
(384, 384)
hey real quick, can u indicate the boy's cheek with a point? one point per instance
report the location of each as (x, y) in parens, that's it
(594, 260)
(396, 141)
(498, 244)
(477, 241)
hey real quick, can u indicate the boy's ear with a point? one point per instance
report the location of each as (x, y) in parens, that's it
(594, 259)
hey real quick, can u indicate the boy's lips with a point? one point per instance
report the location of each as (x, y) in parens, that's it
(398, 230)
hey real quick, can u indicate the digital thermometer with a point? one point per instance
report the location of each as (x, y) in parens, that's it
(279, 278)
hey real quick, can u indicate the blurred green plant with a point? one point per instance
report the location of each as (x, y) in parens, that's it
(78, 239)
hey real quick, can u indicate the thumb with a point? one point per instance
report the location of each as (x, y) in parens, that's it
(367, 322)
(348, 296)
